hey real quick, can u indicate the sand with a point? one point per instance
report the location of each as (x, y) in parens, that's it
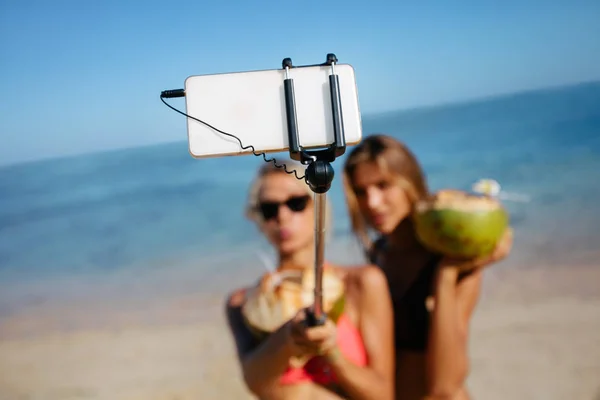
(535, 335)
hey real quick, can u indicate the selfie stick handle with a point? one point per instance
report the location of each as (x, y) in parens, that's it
(319, 173)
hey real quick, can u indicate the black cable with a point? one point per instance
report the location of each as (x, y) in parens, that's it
(181, 93)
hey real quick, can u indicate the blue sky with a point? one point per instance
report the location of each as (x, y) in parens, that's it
(82, 76)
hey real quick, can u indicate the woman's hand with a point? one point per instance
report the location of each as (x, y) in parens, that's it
(501, 251)
(309, 341)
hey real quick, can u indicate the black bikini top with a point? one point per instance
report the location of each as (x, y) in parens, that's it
(411, 316)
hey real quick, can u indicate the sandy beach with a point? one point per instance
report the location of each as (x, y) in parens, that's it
(534, 336)
(114, 265)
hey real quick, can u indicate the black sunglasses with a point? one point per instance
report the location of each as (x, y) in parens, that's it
(270, 209)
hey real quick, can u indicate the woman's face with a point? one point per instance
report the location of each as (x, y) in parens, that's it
(382, 201)
(286, 213)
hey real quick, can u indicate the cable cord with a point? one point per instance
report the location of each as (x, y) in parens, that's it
(250, 147)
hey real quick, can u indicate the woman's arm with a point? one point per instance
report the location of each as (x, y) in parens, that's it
(455, 300)
(376, 380)
(262, 364)
(447, 354)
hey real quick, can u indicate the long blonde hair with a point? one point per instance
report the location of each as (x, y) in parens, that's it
(268, 169)
(392, 157)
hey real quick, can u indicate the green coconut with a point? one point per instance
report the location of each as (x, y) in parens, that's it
(460, 225)
(278, 296)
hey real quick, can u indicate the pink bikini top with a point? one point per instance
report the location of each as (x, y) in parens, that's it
(317, 370)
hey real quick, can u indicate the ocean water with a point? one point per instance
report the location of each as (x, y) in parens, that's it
(155, 207)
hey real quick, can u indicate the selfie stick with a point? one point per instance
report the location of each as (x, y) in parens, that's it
(319, 173)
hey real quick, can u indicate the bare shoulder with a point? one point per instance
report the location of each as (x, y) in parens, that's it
(236, 298)
(233, 307)
(367, 278)
(369, 285)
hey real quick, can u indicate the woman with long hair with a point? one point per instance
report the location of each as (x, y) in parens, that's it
(350, 358)
(433, 296)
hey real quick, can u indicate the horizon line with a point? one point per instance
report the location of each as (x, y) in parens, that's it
(366, 115)
(483, 98)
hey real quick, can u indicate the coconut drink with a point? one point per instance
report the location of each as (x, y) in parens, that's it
(460, 225)
(278, 296)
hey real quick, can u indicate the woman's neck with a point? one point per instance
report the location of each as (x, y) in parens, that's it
(403, 238)
(406, 250)
(301, 258)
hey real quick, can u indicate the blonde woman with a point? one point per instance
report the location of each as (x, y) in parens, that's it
(349, 359)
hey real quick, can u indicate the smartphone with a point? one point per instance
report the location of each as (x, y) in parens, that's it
(251, 105)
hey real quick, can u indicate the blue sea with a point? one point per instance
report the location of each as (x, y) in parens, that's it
(136, 211)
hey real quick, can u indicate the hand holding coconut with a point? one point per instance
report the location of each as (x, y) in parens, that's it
(471, 231)
(281, 298)
(500, 252)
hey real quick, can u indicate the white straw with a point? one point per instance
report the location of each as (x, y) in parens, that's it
(492, 188)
